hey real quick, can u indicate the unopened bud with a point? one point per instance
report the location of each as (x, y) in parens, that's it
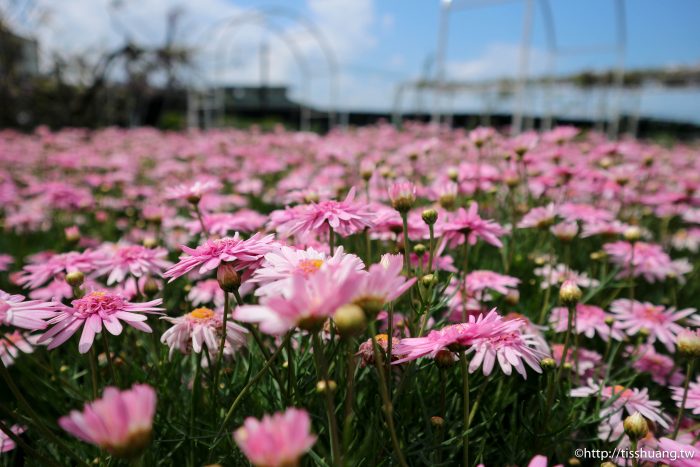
(72, 234)
(229, 280)
(453, 174)
(311, 197)
(194, 198)
(636, 426)
(444, 359)
(573, 462)
(569, 293)
(437, 422)
(689, 343)
(609, 321)
(567, 366)
(429, 216)
(447, 201)
(644, 333)
(633, 233)
(75, 278)
(326, 385)
(512, 297)
(598, 256)
(151, 287)
(548, 363)
(150, 242)
(428, 280)
(350, 320)
(419, 249)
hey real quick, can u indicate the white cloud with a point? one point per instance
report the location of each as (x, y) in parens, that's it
(497, 61)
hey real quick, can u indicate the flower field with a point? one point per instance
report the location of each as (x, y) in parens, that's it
(374, 296)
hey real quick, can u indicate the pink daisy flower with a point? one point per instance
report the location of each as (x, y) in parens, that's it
(6, 443)
(383, 283)
(243, 220)
(344, 217)
(202, 327)
(120, 422)
(510, 349)
(540, 217)
(192, 192)
(206, 291)
(308, 301)
(554, 276)
(639, 259)
(402, 195)
(661, 367)
(275, 273)
(241, 253)
(93, 311)
(661, 322)
(137, 260)
(11, 344)
(590, 320)
(631, 400)
(30, 314)
(44, 267)
(277, 440)
(467, 223)
(676, 454)
(693, 400)
(479, 281)
(588, 363)
(5, 261)
(463, 334)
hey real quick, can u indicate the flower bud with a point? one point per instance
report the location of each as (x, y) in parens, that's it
(419, 249)
(444, 359)
(437, 422)
(598, 256)
(194, 198)
(548, 363)
(573, 462)
(689, 343)
(607, 464)
(75, 279)
(512, 297)
(72, 234)
(350, 320)
(453, 174)
(447, 201)
(326, 385)
(429, 216)
(428, 280)
(228, 278)
(609, 321)
(150, 242)
(569, 293)
(633, 233)
(151, 287)
(636, 426)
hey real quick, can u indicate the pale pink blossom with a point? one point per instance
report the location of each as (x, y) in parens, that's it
(29, 314)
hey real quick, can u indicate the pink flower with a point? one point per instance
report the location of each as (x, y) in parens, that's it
(44, 267)
(5, 261)
(631, 399)
(30, 314)
(241, 253)
(676, 454)
(275, 273)
(661, 322)
(586, 362)
(462, 334)
(540, 217)
(661, 367)
(192, 192)
(556, 275)
(479, 281)
(510, 349)
(277, 440)
(383, 283)
(91, 312)
(344, 217)
(468, 224)
(640, 259)
(202, 327)
(11, 344)
(308, 301)
(6, 443)
(541, 461)
(206, 291)
(402, 195)
(590, 320)
(693, 400)
(120, 422)
(243, 220)
(137, 260)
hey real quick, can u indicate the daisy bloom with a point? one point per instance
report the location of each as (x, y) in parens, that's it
(479, 281)
(206, 291)
(383, 283)
(557, 275)
(6, 443)
(202, 327)
(45, 267)
(11, 344)
(307, 303)
(192, 192)
(30, 314)
(5, 261)
(693, 400)
(366, 349)
(640, 259)
(540, 217)
(586, 362)
(510, 349)
(137, 260)
(402, 196)
(676, 454)
(275, 273)
(661, 322)
(278, 440)
(344, 217)
(590, 320)
(467, 224)
(91, 312)
(120, 422)
(241, 253)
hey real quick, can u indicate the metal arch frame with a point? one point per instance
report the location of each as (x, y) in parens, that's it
(309, 27)
(620, 46)
(291, 45)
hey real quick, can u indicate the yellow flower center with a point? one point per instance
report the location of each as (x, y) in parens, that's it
(201, 313)
(309, 266)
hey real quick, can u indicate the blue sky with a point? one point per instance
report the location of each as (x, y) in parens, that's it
(381, 43)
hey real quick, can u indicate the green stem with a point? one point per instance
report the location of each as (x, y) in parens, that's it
(681, 408)
(247, 387)
(349, 395)
(193, 404)
(110, 364)
(465, 407)
(222, 344)
(205, 231)
(406, 245)
(633, 448)
(383, 389)
(431, 246)
(330, 405)
(331, 239)
(92, 358)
